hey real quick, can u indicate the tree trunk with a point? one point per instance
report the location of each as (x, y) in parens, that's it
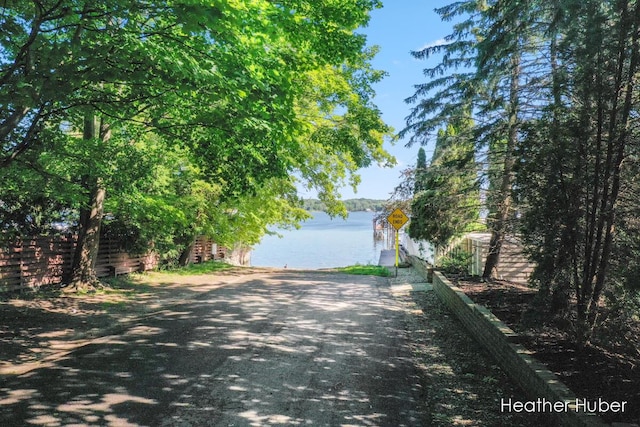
(185, 256)
(86, 253)
(84, 261)
(620, 122)
(493, 256)
(499, 227)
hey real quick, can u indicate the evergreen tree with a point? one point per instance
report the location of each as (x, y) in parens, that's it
(553, 86)
(499, 59)
(421, 169)
(448, 204)
(573, 187)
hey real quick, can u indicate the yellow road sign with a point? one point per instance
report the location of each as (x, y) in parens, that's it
(397, 219)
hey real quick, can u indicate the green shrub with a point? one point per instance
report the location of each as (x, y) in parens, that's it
(456, 262)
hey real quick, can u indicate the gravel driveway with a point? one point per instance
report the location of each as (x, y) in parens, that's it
(271, 348)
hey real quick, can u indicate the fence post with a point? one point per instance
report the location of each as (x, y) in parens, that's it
(22, 264)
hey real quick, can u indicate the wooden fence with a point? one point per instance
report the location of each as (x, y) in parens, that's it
(205, 250)
(513, 266)
(45, 260)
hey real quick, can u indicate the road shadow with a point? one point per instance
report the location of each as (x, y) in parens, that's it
(287, 348)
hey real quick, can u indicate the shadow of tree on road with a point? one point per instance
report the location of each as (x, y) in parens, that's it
(275, 348)
(286, 349)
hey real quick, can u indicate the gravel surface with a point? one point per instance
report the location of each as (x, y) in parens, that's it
(249, 349)
(462, 384)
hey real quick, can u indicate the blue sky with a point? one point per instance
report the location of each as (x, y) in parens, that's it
(398, 28)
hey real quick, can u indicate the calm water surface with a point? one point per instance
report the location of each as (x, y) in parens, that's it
(321, 243)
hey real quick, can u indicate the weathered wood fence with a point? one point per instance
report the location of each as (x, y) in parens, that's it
(513, 266)
(46, 260)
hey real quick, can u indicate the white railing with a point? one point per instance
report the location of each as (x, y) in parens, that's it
(420, 248)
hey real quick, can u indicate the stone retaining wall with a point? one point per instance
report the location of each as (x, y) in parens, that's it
(500, 341)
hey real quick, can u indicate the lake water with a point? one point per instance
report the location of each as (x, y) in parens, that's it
(322, 242)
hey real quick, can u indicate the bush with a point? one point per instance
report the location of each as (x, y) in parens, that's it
(456, 262)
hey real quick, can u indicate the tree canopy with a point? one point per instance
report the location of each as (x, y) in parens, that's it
(445, 202)
(552, 89)
(164, 120)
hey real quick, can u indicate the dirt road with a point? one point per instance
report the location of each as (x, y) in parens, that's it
(272, 349)
(247, 347)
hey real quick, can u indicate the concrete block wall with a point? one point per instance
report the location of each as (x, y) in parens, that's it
(422, 266)
(501, 342)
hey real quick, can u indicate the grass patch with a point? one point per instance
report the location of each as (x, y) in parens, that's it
(366, 270)
(201, 268)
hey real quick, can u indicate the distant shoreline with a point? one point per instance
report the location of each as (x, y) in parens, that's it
(352, 205)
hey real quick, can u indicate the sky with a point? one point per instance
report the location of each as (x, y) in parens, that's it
(400, 27)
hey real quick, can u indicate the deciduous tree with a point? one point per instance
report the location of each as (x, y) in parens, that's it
(252, 94)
